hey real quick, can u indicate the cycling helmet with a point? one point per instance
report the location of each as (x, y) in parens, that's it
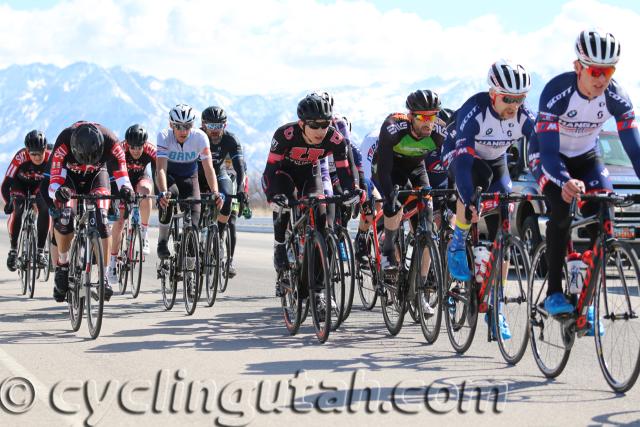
(214, 114)
(183, 114)
(314, 107)
(446, 115)
(327, 96)
(35, 141)
(594, 48)
(87, 144)
(347, 122)
(423, 100)
(510, 78)
(136, 136)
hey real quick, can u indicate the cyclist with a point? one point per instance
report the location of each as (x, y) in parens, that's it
(139, 153)
(223, 144)
(403, 142)
(24, 174)
(573, 108)
(78, 166)
(180, 147)
(487, 124)
(293, 165)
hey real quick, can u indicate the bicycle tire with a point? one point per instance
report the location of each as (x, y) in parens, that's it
(429, 291)
(190, 267)
(211, 265)
(22, 273)
(94, 291)
(75, 294)
(46, 270)
(337, 280)
(460, 305)
(367, 277)
(134, 261)
(122, 265)
(168, 282)
(32, 262)
(545, 333)
(618, 316)
(349, 269)
(290, 298)
(512, 298)
(225, 259)
(318, 279)
(393, 299)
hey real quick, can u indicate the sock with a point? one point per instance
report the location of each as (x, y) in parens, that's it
(143, 231)
(112, 260)
(63, 258)
(459, 236)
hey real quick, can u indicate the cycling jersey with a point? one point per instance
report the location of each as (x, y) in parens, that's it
(368, 150)
(399, 149)
(137, 167)
(228, 147)
(569, 124)
(481, 133)
(22, 170)
(182, 158)
(289, 151)
(64, 165)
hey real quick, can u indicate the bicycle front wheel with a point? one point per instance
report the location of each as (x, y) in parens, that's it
(225, 259)
(190, 270)
(94, 285)
(510, 300)
(337, 280)
(134, 262)
(367, 276)
(617, 328)
(46, 270)
(318, 276)
(348, 269)
(32, 262)
(460, 305)
(429, 291)
(168, 281)
(548, 336)
(211, 265)
(393, 299)
(75, 294)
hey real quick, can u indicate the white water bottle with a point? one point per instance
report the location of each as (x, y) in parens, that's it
(481, 257)
(575, 267)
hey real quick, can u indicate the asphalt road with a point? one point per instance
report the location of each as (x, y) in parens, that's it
(235, 364)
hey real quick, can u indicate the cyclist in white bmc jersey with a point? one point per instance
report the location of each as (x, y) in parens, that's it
(179, 149)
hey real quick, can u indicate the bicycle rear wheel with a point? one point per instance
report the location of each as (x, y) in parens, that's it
(367, 276)
(190, 270)
(94, 286)
(211, 265)
(122, 266)
(393, 299)
(133, 273)
(46, 270)
(32, 262)
(510, 299)
(460, 305)
(617, 333)
(429, 292)
(547, 335)
(75, 294)
(318, 276)
(168, 281)
(225, 259)
(348, 268)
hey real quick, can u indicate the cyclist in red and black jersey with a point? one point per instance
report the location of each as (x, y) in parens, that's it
(139, 153)
(24, 174)
(293, 167)
(78, 166)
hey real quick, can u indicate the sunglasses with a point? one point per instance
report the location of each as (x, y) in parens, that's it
(182, 126)
(36, 153)
(507, 99)
(318, 125)
(426, 117)
(214, 126)
(596, 72)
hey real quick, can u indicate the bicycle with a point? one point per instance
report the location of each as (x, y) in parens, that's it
(610, 286)
(27, 260)
(501, 290)
(130, 257)
(308, 258)
(184, 264)
(85, 259)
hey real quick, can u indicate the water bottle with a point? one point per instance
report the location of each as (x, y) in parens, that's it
(343, 252)
(246, 212)
(575, 266)
(481, 257)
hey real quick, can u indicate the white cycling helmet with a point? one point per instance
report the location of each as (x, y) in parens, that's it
(506, 77)
(594, 48)
(182, 113)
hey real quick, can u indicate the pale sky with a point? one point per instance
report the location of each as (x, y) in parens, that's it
(272, 46)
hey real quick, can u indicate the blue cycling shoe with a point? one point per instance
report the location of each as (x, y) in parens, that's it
(505, 332)
(556, 304)
(591, 314)
(458, 266)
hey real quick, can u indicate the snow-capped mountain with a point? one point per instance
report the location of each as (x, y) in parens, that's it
(50, 98)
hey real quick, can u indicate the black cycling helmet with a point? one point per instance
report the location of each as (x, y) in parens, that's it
(35, 141)
(214, 114)
(446, 115)
(136, 136)
(423, 100)
(87, 144)
(314, 107)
